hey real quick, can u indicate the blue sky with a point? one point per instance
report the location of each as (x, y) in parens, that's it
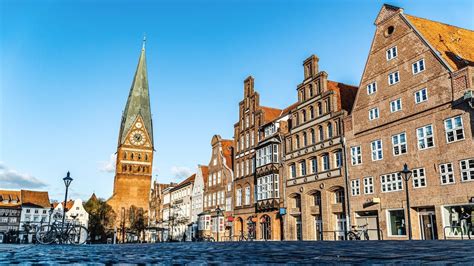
(66, 68)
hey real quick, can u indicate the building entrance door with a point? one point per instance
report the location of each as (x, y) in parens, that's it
(428, 225)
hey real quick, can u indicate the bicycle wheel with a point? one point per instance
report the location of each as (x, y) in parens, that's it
(46, 234)
(77, 235)
(352, 236)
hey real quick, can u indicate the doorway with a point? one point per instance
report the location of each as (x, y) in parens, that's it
(299, 229)
(428, 226)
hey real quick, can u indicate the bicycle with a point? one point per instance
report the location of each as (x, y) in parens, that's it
(355, 234)
(69, 232)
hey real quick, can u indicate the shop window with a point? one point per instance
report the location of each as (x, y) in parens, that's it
(458, 220)
(396, 222)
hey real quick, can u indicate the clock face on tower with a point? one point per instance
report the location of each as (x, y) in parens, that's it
(137, 137)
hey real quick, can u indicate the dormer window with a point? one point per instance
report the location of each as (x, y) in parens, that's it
(391, 53)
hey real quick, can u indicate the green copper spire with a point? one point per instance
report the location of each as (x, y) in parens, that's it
(138, 102)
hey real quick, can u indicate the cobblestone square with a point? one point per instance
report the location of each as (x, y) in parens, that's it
(362, 252)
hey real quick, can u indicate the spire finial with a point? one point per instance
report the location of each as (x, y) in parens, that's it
(144, 41)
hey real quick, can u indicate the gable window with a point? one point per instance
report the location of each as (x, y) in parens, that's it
(454, 129)
(391, 53)
(425, 137)
(391, 182)
(399, 143)
(396, 105)
(419, 178)
(421, 96)
(373, 113)
(377, 153)
(371, 88)
(393, 78)
(368, 185)
(418, 66)
(356, 155)
(446, 173)
(467, 170)
(355, 187)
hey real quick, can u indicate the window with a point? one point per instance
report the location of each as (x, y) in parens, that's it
(303, 95)
(269, 130)
(293, 171)
(267, 187)
(313, 136)
(368, 185)
(396, 105)
(391, 182)
(303, 168)
(237, 168)
(425, 137)
(373, 113)
(321, 133)
(328, 105)
(247, 167)
(377, 153)
(446, 173)
(314, 165)
(356, 155)
(391, 53)
(339, 196)
(396, 222)
(355, 187)
(421, 96)
(399, 143)
(246, 121)
(247, 140)
(303, 114)
(454, 129)
(219, 176)
(305, 140)
(338, 158)
(297, 141)
(242, 143)
(418, 66)
(419, 178)
(371, 88)
(467, 170)
(239, 197)
(247, 195)
(329, 130)
(242, 169)
(310, 88)
(311, 112)
(393, 78)
(252, 138)
(214, 179)
(325, 159)
(320, 108)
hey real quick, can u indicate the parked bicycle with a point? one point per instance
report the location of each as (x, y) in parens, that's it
(69, 232)
(355, 234)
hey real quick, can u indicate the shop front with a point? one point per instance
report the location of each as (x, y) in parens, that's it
(458, 220)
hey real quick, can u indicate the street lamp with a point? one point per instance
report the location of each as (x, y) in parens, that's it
(406, 174)
(219, 214)
(67, 181)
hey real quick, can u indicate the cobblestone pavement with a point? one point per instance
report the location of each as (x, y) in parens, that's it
(357, 252)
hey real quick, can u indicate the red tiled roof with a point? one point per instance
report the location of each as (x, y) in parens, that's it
(455, 45)
(205, 173)
(35, 198)
(269, 114)
(69, 204)
(227, 151)
(347, 94)
(10, 195)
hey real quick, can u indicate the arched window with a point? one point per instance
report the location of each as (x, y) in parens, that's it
(321, 133)
(303, 113)
(311, 93)
(139, 156)
(325, 162)
(317, 198)
(328, 105)
(311, 112)
(338, 128)
(320, 109)
(305, 139)
(329, 130)
(319, 87)
(303, 168)
(313, 136)
(132, 156)
(146, 157)
(289, 145)
(303, 94)
(125, 155)
(297, 141)
(265, 227)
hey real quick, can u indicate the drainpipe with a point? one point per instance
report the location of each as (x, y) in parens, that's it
(346, 179)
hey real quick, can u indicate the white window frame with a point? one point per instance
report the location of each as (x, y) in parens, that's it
(374, 113)
(247, 195)
(355, 187)
(325, 162)
(419, 94)
(399, 145)
(396, 105)
(419, 177)
(418, 65)
(356, 155)
(446, 174)
(467, 171)
(425, 137)
(368, 185)
(391, 182)
(391, 53)
(454, 129)
(393, 78)
(372, 88)
(377, 152)
(238, 201)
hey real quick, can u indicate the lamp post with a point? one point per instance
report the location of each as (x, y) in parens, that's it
(67, 181)
(406, 174)
(219, 213)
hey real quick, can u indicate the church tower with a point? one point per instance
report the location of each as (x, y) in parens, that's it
(133, 170)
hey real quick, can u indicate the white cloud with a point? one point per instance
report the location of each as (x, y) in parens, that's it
(12, 179)
(180, 172)
(108, 166)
